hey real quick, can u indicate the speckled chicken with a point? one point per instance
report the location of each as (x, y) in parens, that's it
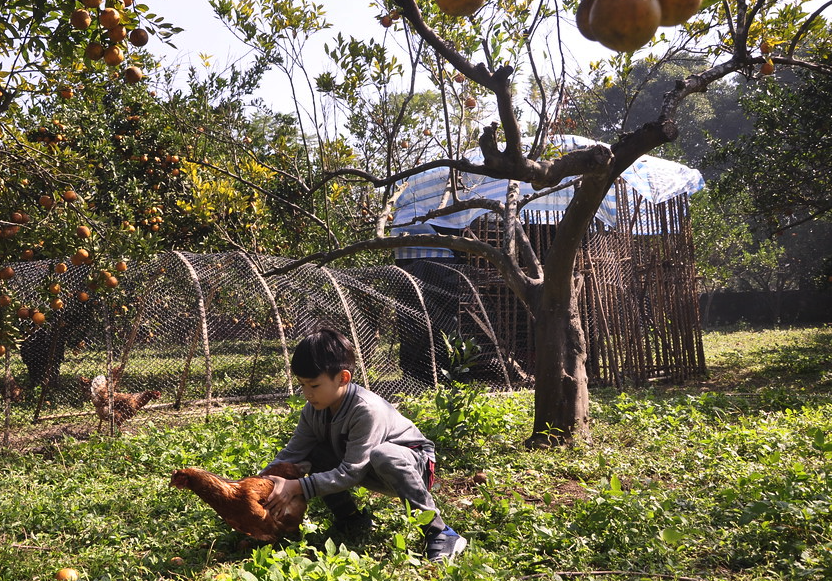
(240, 502)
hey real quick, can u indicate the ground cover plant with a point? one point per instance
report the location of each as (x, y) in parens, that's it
(725, 477)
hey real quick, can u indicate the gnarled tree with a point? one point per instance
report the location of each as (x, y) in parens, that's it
(487, 50)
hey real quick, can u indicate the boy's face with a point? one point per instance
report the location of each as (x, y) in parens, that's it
(324, 391)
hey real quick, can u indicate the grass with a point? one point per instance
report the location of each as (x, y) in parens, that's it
(722, 478)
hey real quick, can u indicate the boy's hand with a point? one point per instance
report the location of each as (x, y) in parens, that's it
(281, 495)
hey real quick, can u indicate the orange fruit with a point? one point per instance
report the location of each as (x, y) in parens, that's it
(113, 56)
(17, 217)
(61, 268)
(83, 253)
(46, 201)
(83, 297)
(109, 18)
(459, 7)
(111, 281)
(624, 25)
(138, 36)
(677, 11)
(56, 304)
(94, 51)
(69, 196)
(27, 254)
(6, 273)
(66, 92)
(2, 349)
(470, 103)
(38, 318)
(23, 313)
(83, 232)
(54, 288)
(767, 68)
(80, 19)
(765, 47)
(117, 33)
(386, 21)
(91, 3)
(67, 574)
(5, 301)
(582, 19)
(132, 75)
(9, 231)
(121, 266)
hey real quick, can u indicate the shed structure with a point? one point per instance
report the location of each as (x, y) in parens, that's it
(638, 302)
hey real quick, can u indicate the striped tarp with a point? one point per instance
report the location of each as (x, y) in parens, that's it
(655, 179)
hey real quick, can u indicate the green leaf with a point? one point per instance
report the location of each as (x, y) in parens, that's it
(671, 536)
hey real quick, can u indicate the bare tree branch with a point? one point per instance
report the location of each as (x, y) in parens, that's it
(516, 279)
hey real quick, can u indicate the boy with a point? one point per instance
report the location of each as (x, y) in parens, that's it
(352, 437)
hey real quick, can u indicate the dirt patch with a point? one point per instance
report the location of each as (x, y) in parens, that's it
(562, 493)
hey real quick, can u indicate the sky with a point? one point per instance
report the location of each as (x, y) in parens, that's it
(204, 33)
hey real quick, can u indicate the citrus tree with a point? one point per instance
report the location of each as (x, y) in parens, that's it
(100, 169)
(477, 56)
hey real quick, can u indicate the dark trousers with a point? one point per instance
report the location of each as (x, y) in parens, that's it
(394, 471)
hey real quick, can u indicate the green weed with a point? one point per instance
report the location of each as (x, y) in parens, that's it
(718, 479)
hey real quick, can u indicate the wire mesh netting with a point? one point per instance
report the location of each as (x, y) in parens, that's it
(186, 333)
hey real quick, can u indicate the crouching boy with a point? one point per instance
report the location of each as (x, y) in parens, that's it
(353, 437)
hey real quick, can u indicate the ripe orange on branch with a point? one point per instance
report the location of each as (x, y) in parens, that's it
(80, 19)
(459, 7)
(582, 19)
(133, 75)
(109, 18)
(138, 37)
(94, 51)
(113, 56)
(624, 25)
(117, 33)
(677, 11)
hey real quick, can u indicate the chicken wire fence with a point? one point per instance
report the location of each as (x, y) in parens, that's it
(186, 334)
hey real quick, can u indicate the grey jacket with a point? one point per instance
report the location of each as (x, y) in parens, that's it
(363, 421)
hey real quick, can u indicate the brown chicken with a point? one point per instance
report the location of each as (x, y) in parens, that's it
(12, 390)
(125, 405)
(240, 502)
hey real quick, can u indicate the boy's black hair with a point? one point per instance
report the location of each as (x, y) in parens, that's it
(324, 351)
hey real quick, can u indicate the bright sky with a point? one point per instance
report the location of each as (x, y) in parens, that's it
(205, 34)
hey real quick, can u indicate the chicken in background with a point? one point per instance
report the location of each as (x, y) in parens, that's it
(125, 405)
(13, 389)
(240, 502)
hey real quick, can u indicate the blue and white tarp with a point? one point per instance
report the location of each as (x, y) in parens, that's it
(655, 179)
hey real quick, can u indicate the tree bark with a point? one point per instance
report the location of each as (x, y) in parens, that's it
(561, 382)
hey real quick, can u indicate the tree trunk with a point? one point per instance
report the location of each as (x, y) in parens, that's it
(561, 382)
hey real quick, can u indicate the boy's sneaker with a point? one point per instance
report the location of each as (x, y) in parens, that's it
(358, 523)
(444, 544)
